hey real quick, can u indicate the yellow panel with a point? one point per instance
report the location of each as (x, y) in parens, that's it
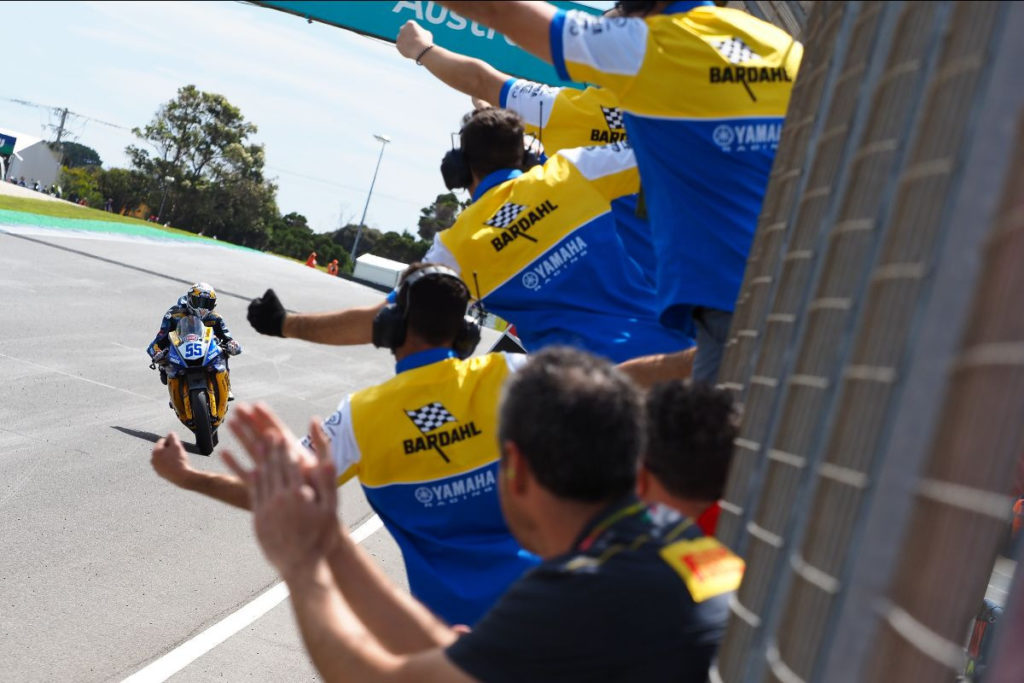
(395, 450)
(707, 567)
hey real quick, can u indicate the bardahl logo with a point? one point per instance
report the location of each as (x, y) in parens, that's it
(747, 137)
(456, 490)
(430, 418)
(567, 253)
(515, 220)
(737, 52)
(616, 126)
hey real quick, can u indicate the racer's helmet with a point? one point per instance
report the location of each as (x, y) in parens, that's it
(201, 296)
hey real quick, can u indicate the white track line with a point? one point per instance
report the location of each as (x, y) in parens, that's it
(194, 648)
(81, 379)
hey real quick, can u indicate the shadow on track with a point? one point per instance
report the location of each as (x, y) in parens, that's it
(153, 438)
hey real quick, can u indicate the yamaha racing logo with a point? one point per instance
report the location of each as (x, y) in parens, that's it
(456, 489)
(558, 259)
(747, 137)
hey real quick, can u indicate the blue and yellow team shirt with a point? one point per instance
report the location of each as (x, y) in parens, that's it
(561, 118)
(705, 90)
(540, 249)
(424, 445)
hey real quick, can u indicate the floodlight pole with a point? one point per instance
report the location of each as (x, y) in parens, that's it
(384, 140)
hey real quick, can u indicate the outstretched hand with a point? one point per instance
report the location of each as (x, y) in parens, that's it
(170, 460)
(266, 314)
(413, 39)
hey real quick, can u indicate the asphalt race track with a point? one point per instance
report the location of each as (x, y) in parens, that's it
(105, 567)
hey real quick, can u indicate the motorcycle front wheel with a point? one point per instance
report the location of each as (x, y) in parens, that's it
(201, 420)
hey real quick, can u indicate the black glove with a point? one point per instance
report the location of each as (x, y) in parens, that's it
(266, 314)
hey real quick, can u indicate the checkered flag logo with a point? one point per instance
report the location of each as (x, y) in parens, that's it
(506, 215)
(735, 50)
(613, 117)
(430, 417)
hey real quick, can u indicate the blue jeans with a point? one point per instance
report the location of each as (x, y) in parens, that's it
(712, 333)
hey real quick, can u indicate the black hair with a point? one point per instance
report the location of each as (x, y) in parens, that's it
(492, 139)
(578, 422)
(434, 306)
(690, 434)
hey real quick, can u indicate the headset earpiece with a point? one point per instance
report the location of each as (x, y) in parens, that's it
(389, 325)
(455, 170)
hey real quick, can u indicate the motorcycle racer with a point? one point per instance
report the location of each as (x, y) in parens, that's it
(199, 300)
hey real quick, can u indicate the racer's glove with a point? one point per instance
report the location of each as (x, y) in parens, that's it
(233, 348)
(160, 356)
(266, 314)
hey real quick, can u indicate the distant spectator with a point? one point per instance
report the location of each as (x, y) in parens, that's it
(626, 593)
(311, 261)
(109, 207)
(332, 267)
(690, 434)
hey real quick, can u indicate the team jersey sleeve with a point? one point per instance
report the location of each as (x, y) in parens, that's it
(608, 51)
(439, 253)
(344, 448)
(609, 168)
(531, 100)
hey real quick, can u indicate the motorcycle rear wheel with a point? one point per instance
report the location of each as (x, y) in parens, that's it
(201, 421)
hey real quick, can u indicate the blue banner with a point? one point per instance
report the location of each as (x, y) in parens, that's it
(7, 144)
(451, 31)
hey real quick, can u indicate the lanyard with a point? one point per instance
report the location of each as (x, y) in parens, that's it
(603, 525)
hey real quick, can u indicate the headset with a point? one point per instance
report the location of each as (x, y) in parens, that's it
(455, 167)
(389, 325)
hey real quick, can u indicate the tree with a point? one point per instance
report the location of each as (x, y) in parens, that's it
(290, 235)
(401, 247)
(127, 189)
(440, 215)
(82, 183)
(202, 167)
(77, 155)
(346, 237)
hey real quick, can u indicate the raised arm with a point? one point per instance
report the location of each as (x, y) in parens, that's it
(468, 75)
(527, 24)
(350, 326)
(340, 328)
(171, 462)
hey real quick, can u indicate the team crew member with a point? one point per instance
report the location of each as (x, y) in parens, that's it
(540, 248)
(690, 434)
(561, 118)
(625, 592)
(705, 89)
(424, 446)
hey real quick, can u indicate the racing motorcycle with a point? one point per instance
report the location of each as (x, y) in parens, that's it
(197, 379)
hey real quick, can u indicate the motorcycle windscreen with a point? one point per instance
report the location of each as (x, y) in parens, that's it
(192, 338)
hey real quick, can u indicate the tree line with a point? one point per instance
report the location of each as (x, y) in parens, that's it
(198, 169)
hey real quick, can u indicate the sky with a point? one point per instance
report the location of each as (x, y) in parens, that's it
(317, 94)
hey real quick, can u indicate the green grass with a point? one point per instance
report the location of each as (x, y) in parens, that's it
(43, 207)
